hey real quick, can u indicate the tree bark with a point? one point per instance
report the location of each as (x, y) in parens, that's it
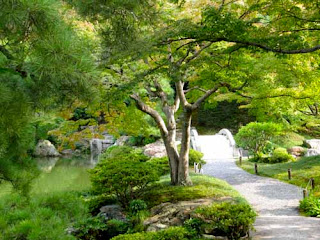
(173, 155)
(183, 173)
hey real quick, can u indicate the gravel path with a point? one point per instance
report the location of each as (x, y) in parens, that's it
(276, 202)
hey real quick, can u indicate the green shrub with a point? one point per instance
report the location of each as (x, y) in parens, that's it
(122, 152)
(137, 205)
(310, 206)
(280, 155)
(195, 157)
(256, 136)
(194, 226)
(97, 228)
(125, 176)
(141, 140)
(172, 233)
(233, 220)
(137, 214)
(162, 164)
(22, 219)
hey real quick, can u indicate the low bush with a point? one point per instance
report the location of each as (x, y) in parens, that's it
(162, 164)
(194, 226)
(97, 228)
(137, 214)
(230, 219)
(137, 206)
(310, 206)
(280, 155)
(125, 176)
(173, 233)
(43, 217)
(141, 140)
(122, 152)
(195, 157)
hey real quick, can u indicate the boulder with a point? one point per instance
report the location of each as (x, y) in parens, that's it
(156, 149)
(296, 151)
(122, 141)
(113, 212)
(45, 148)
(173, 214)
(67, 152)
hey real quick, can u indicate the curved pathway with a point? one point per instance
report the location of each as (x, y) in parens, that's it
(276, 202)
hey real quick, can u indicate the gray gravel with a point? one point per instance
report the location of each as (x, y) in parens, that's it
(276, 202)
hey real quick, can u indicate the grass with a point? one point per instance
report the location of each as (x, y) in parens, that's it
(302, 170)
(203, 187)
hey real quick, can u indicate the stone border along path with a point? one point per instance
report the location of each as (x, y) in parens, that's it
(276, 202)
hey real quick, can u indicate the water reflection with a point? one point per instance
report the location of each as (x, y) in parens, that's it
(47, 164)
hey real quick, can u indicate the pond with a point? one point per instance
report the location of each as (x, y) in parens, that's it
(59, 174)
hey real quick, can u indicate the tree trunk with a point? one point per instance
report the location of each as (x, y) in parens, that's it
(173, 155)
(183, 172)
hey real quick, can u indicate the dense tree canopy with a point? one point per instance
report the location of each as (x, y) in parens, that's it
(165, 57)
(194, 51)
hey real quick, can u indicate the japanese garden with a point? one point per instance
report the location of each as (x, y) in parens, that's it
(159, 119)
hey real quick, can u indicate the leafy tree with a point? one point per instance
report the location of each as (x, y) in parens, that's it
(44, 62)
(255, 136)
(186, 58)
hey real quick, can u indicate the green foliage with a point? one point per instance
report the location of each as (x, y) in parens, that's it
(221, 115)
(97, 228)
(195, 157)
(127, 176)
(137, 213)
(122, 152)
(136, 206)
(194, 226)
(280, 155)
(255, 136)
(172, 233)
(310, 206)
(43, 63)
(25, 220)
(141, 140)
(44, 125)
(162, 164)
(233, 220)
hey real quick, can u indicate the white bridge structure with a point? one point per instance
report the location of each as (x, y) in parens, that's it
(220, 145)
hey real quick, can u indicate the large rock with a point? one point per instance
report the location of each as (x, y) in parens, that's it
(156, 149)
(113, 212)
(296, 151)
(173, 214)
(45, 148)
(122, 141)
